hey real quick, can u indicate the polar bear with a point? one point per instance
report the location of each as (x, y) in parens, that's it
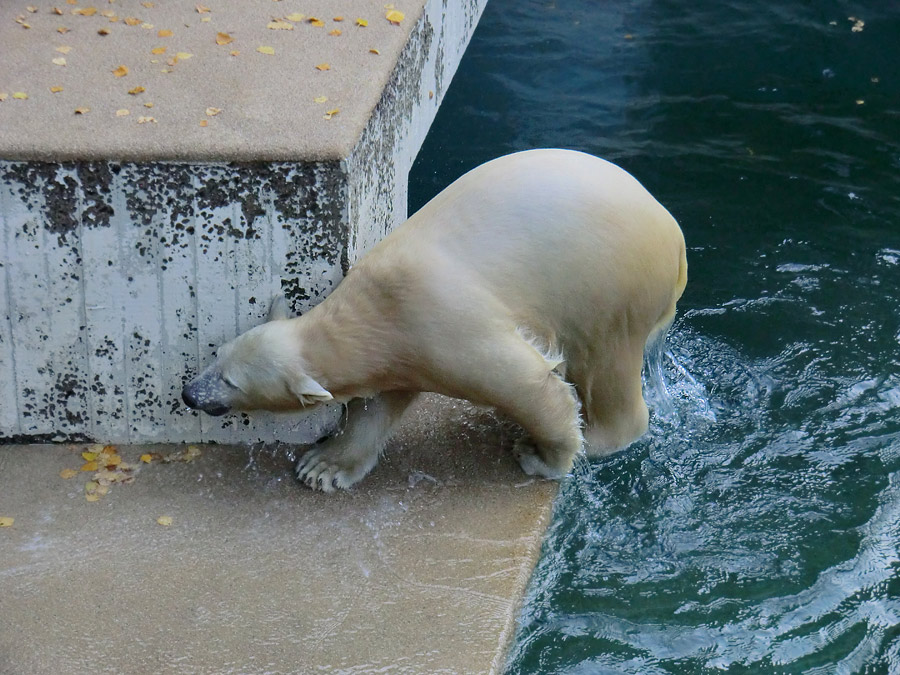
(532, 284)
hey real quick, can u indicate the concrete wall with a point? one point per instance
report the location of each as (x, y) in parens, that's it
(118, 279)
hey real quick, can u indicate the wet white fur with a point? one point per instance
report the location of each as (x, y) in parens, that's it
(532, 268)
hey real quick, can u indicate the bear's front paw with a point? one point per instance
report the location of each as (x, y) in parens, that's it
(527, 455)
(321, 470)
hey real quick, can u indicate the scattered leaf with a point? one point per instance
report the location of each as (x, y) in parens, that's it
(112, 460)
(374, 51)
(145, 120)
(109, 14)
(87, 466)
(158, 50)
(362, 23)
(32, 9)
(295, 17)
(212, 112)
(205, 19)
(20, 95)
(85, 11)
(123, 112)
(147, 26)
(59, 61)
(6, 521)
(331, 113)
(338, 19)
(183, 56)
(92, 497)
(335, 32)
(860, 101)
(103, 31)
(148, 105)
(3, 96)
(90, 487)
(89, 456)
(266, 50)
(121, 71)
(395, 17)
(323, 66)
(102, 490)
(278, 24)
(224, 39)
(68, 473)
(164, 33)
(165, 521)
(146, 458)
(313, 21)
(234, 53)
(202, 10)
(204, 123)
(55, 90)
(137, 90)
(64, 49)
(57, 11)
(62, 30)
(132, 21)
(320, 99)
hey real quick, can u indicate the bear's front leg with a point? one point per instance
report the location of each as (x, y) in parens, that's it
(345, 459)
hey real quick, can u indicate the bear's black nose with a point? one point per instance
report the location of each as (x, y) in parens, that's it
(189, 399)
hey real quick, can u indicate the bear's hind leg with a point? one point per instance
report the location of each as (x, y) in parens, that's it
(343, 460)
(615, 409)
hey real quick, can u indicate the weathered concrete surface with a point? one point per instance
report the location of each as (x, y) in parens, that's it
(418, 570)
(129, 251)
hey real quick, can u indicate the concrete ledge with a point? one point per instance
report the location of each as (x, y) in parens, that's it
(420, 570)
(120, 269)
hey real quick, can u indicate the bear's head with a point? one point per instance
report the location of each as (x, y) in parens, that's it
(261, 369)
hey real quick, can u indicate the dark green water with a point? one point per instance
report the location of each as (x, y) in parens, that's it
(756, 528)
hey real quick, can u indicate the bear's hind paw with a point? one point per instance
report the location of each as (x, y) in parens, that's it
(531, 462)
(315, 471)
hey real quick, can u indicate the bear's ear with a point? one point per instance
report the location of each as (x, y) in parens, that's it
(308, 391)
(278, 309)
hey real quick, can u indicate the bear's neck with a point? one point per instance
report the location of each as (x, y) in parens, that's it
(349, 347)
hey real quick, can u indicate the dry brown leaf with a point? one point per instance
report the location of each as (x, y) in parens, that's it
(62, 30)
(266, 50)
(57, 11)
(137, 90)
(224, 39)
(121, 71)
(6, 521)
(103, 31)
(68, 473)
(313, 21)
(323, 66)
(164, 33)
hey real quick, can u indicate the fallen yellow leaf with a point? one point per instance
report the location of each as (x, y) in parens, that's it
(278, 24)
(93, 497)
(164, 33)
(266, 50)
(85, 11)
(90, 487)
(158, 50)
(313, 21)
(223, 39)
(102, 490)
(164, 520)
(145, 120)
(320, 99)
(123, 112)
(20, 95)
(395, 17)
(204, 123)
(331, 113)
(121, 71)
(146, 458)
(234, 53)
(89, 456)
(148, 5)
(87, 466)
(148, 105)
(137, 90)
(64, 49)
(112, 460)
(295, 17)
(6, 521)
(132, 21)
(374, 51)
(202, 10)
(338, 18)
(362, 23)
(323, 66)
(68, 473)
(147, 26)
(212, 112)
(59, 61)
(3, 96)
(335, 32)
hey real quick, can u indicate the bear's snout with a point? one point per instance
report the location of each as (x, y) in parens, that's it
(196, 397)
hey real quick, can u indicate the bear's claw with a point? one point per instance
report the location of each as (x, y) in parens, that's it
(315, 471)
(531, 462)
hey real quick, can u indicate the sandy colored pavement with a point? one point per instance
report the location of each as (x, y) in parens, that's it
(420, 569)
(267, 102)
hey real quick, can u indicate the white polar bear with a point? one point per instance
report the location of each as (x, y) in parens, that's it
(532, 282)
